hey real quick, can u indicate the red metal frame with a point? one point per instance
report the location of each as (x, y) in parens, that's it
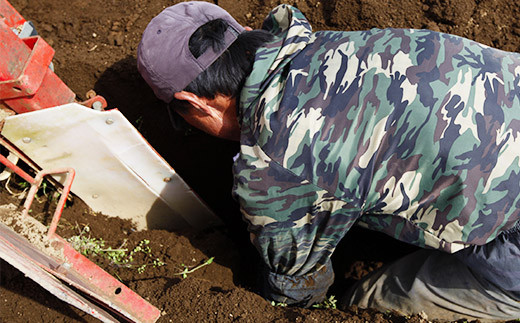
(77, 270)
(20, 172)
(28, 84)
(26, 81)
(23, 68)
(28, 259)
(38, 179)
(11, 16)
(120, 298)
(35, 185)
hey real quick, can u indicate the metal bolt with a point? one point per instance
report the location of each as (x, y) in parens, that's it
(109, 121)
(26, 140)
(97, 105)
(63, 268)
(95, 196)
(167, 179)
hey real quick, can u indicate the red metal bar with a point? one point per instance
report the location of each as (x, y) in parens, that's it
(38, 179)
(78, 270)
(26, 81)
(63, 198)
(20, 172)
(13, 53)
(120, 297)
(25, 63)
(12, 17)
(28, 84)
(35, 264)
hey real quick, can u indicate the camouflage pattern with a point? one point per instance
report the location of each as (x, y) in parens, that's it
(410, 132)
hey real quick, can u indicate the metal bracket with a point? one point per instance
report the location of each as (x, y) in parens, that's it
(62, 261)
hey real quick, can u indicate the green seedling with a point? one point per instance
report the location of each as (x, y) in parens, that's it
(139, 123)
(23, 185)
(184, 273)
(120, 257)
(329, 303)
(273, 303)
(45, 191)
(144, 247)
(156, 263)
(49, 192)
(86, 245)
(44, 188)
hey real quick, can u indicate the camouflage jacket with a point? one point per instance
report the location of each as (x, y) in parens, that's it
(410, 132)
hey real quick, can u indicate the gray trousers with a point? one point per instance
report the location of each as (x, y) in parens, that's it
(481, 282)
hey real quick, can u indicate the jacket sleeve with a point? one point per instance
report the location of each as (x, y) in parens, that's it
(294, 224)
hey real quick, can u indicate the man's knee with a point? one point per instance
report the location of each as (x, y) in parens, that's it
(437, 284)
(497, 261)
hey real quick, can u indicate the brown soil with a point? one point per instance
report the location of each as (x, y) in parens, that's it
(95, 43)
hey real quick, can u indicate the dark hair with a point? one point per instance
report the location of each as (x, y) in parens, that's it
(228, 73)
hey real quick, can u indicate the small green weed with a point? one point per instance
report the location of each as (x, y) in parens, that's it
(144, 247)
(186, 270)
(87, 246)
(139, 123)
(46, 191)
(273, 303)
(329, 303)
(23, 185)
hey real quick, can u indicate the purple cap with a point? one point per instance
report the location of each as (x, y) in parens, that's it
(163, 56)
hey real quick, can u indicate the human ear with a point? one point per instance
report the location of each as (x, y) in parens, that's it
(197, 102)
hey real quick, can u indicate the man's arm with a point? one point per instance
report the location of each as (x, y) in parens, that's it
(294, 224)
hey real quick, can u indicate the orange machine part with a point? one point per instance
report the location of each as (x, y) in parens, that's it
(26, 81)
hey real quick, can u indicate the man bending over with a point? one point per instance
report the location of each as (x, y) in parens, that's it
(413, 133)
